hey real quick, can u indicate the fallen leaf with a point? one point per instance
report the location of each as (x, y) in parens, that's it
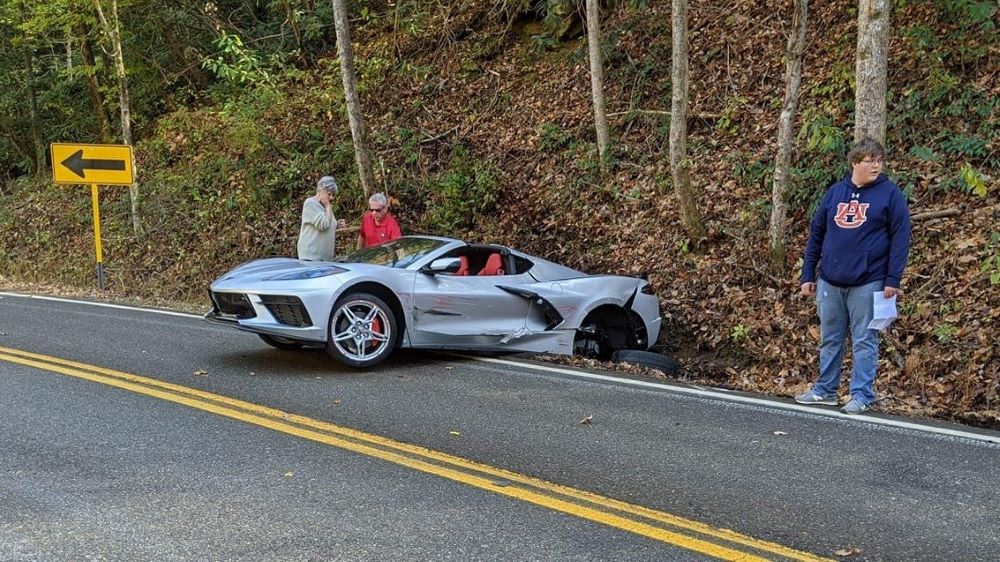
(848, 551)
(454, 433)
(289, 474)
(335, 402)
(780, 433)
(201, 373)
(588, 420)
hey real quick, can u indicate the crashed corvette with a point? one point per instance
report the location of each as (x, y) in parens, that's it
(435, 293)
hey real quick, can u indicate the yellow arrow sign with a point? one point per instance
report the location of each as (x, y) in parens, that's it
(104, 164)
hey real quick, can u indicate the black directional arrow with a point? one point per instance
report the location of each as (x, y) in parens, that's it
(77, 164)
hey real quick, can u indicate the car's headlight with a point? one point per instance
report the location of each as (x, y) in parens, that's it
(310, 273)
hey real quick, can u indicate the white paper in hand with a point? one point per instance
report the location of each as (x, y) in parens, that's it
(885, 311)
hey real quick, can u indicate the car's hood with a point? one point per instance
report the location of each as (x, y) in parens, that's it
(264, 268)
(273, 273)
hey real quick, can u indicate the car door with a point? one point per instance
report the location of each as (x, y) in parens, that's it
(467, 311)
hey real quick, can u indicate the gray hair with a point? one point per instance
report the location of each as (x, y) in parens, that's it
(379, 199)
(327, 183)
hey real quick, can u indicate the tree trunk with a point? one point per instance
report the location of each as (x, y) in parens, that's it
(29, 69)
(89, 73)
(354, 116)
(193, 73)
(687, 198)
(786, 132)
(597, 78)
(871, 69)
(113, 32)
(293, 22)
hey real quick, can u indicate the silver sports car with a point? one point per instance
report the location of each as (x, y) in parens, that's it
(437, 293)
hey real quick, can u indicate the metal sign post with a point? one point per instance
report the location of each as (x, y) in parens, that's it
(105, 164)
(97, 235)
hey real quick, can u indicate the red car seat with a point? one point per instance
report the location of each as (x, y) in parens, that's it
(494, 265)
(463, 268)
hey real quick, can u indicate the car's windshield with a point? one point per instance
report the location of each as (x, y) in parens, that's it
(399, 253)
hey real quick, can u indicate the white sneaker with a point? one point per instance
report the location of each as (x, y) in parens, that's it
(812, 398)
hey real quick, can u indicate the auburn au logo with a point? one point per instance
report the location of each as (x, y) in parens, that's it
(850, 215)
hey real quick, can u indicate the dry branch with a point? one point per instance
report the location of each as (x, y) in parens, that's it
(935, 214)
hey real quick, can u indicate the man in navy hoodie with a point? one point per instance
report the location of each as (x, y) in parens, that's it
(860, 238)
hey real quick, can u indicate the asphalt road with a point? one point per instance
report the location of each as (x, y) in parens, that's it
(93, 471)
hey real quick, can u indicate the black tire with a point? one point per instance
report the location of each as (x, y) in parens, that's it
(280, 342)
(362, 331)
(658, 361)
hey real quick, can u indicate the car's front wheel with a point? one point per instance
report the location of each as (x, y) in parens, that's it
(362, 330)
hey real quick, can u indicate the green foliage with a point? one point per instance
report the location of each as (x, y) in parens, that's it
(462, 193)
(730, 114)
(822, 162)
(543, 43)
(836, 91)
(945, 332)
(557, 17)
(412, 17)
(739, 333)
(406, 142)
(750, 171)
(372, 72)
(991, 264)
(969, 14)
(237, 64)
(553, 138)
(964, 145)
(925, 153)
(821, 134)
(974, 182)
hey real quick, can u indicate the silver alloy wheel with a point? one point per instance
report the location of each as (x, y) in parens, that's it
(360, 330)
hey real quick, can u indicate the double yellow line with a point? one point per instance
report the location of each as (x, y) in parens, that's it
(671, 529)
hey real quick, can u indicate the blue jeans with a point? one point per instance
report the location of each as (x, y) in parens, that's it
(840, 309)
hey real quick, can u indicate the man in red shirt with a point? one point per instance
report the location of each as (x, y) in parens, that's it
(377, 225)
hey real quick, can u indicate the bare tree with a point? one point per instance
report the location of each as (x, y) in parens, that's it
(113, 31)
(89, 74)
(871, 69)
(29, 69)
(680, 166)
(354, 115)
(786, 131)
(597, 78)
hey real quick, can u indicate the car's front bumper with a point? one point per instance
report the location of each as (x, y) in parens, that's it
(278, 315)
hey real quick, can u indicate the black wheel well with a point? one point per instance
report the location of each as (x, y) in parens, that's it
(624, 327)
(386, 294)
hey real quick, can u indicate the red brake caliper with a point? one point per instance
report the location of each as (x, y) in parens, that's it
(376, 329)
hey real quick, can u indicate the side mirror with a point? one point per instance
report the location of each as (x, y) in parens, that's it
(442, 265)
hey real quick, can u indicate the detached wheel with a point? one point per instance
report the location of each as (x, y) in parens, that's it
(362, 331)
(280, 342)
(649, 359)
